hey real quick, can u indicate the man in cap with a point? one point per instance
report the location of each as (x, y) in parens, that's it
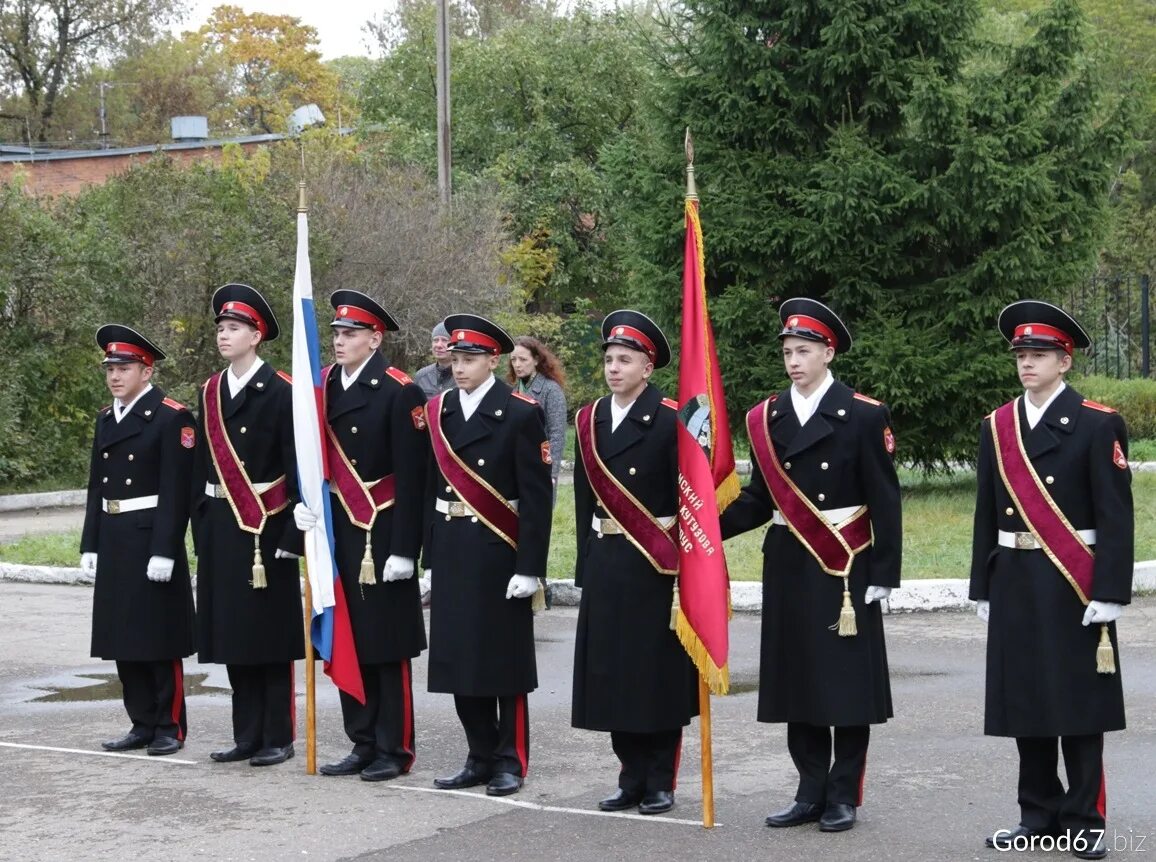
(133, 541)
(1051, 571)
(632, 677)
(490, 533)
(437, 376)
(377, 449)
(823, 473)
(248, 585)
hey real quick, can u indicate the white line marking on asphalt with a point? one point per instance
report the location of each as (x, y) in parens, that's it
(534, 806)
(149, 758)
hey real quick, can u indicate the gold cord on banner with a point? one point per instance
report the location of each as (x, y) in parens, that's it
(846, 624)
(368, 575)
(1105, 657)
(674, 608)
(259, 582)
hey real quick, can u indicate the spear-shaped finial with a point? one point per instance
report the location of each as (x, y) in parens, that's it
(301, 207)
(691, 189)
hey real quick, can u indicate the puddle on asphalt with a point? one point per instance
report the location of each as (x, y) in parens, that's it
(108, 688)
(743, 686)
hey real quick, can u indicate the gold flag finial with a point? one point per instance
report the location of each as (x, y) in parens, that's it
(691, 189)
(301, 207)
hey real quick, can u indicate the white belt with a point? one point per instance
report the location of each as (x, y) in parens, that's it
(218, 491)
(133, 504)
(1027, 541)
(834, 516)
(458, 509)
(610, 527)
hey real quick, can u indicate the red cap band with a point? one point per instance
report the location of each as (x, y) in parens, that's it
(352, 312)
(1044, 332)
(636, 335)
(474, 337)
(248, 312)
(802, 321)
(120, 348)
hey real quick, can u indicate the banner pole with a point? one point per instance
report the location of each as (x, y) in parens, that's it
(310, 683)
(707, 756)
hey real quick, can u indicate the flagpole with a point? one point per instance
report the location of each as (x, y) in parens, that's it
(310, 682)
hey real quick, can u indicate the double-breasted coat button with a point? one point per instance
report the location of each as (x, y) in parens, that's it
(473, 520)
(823, 466)
(353, 461)
(449, 490)
(481, 462)
(788, 465)
(106, 455)
(1009, 511)
(131, 456)
(1050, 480)
(774, 412)
(244, 430)
(448, 518)
(632, 471)
(822, 497)
(128, 481)
(353, 430)
(105, 480)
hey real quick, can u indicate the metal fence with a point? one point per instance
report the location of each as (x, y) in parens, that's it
(1115, 311)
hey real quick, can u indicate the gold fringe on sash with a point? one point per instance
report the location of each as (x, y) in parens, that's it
(674, 608)
(259, 582)
(846, 624)
(1105, 657)
(368, 575)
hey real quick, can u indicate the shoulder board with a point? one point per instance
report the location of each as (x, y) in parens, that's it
(176, 405)
(773, 398)
(525, 398)
(1095, 405)
(988, 416)
(399, 375)
(868, 400)
(105, 409)
(285, 377)
(671, 403)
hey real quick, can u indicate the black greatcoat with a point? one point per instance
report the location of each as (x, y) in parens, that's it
(1041, 662)
(840, 457)
(630, 671)
(375, 423)
(237, 624)
(150, 451)
(481, 643)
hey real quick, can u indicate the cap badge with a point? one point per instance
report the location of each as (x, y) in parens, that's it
(620, 331)
(1027, 330)
(344, 310)
(460, 335)
(793, 322)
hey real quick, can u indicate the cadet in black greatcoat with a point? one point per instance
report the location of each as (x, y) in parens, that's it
(134, 542)
(1044, 685)
(632, 677)
(481, 622)
(837, 447)
(376, 421)
(249, 622)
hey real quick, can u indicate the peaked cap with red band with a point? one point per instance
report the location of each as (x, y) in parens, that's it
(810, 319)
(471, 333)
(635, 330)
(246, 304)
(1040, 325)
(124, 344)
(353, 309)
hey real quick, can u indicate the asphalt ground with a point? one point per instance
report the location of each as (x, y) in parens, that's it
(935, 785)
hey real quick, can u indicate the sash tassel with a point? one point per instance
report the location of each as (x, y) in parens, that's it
(259, 581)
(368, 574)
(1105, 657)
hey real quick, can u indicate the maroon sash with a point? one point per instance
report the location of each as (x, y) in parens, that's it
(1055, 534)
(655, 542)
(833, 546)
(361, 500)
(250, 507)
(491, 508)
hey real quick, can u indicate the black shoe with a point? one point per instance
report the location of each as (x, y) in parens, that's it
(237, 752)
(1098, 850)
(796, 815)
(127, 742)
(162, 745)
(1004, 838)
(656, 802)
(620, 801)
(504, 784)
(837, 817)
(272, 756)
(382, 769)
(351, 764)
(467, 776)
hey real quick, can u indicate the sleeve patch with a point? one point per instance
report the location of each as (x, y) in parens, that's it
(1095, 405)
(188, 437)
(1118, 457)
(399, 375)
(546, 459)
(417, 414)
(889, 440)
(869, 400)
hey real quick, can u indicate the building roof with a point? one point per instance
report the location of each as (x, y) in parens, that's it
(10, 153)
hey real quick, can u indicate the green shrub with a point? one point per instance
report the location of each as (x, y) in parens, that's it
(1134, 398)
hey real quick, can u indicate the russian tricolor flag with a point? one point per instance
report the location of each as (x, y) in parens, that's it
(331, 631)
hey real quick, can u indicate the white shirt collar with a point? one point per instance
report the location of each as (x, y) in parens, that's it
(348, 380)
(236, 384)
(120, 410)
(471, 400)
(1035, 414)
(617, 414)
(806, 405)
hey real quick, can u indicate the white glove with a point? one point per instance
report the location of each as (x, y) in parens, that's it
(521, 587)
(160, 570)
(397, 569)
(876, 594)
(285, 555)
(1102, 612)
(88, 564)
(304, 517)
(983, 609)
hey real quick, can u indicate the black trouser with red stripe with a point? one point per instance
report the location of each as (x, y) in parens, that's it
(1044, 805)
(264, 711)
(154, 697)
(497, 731)
(649, 760)
(821, 781)
(383, 726)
